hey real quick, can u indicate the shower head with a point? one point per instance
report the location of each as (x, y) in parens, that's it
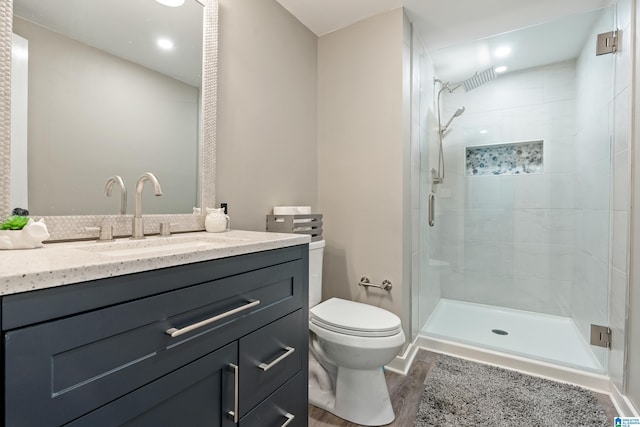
(458, 113)
(478, 79)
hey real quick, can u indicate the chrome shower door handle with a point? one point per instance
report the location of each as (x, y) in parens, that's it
(432, 209)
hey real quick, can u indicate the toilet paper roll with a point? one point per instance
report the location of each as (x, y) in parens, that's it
(291, 210)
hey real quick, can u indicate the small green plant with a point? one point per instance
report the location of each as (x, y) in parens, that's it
(18, 219)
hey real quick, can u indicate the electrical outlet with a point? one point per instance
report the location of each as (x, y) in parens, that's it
(224, 206)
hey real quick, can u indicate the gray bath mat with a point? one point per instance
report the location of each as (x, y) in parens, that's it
(463, 393)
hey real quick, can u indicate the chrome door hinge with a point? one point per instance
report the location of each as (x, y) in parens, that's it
(607, 42)
(601, 336)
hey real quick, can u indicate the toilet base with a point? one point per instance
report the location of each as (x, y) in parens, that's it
(361, 396)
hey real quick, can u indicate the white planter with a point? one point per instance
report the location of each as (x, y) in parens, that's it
(31, 236)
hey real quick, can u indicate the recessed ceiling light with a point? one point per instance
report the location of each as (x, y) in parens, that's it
(171, 3)
(500, 69)
(484, 131)
(502, 51)
(165, 44)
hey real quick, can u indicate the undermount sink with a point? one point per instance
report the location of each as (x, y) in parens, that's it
(161, 245)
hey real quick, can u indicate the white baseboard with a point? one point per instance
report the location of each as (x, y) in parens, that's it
(622, 403)
(402, 362)
(597, 382)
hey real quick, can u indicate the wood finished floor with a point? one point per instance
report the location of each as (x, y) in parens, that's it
(406, 392)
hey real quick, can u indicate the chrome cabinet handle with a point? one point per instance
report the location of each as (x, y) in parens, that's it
(265, 367)
(432, 209)
(177, 332)
(234, 414)
(289, 418)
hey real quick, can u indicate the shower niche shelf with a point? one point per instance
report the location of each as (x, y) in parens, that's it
(512, 158)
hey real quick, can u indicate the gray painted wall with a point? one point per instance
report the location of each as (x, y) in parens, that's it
(360, 160)
(267, 95)
(93, 115)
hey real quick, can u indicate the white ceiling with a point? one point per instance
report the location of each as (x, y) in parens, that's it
(462, 35)
(440, 23)
(547, 43)
(325, 16)
(133, 26)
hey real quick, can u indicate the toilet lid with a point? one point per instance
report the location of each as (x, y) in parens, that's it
(354, 318)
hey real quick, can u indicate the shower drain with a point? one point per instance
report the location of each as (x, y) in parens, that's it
(499, 332)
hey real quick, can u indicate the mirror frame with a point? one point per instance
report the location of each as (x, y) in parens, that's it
(75, 226)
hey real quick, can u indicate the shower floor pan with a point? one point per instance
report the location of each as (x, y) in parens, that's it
(544, 337)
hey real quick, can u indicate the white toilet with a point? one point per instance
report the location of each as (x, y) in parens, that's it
(349, 343)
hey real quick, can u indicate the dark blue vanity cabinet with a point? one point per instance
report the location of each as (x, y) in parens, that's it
(215, 343)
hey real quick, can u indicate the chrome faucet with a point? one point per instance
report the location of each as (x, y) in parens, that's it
(138, 224)
(108, 189)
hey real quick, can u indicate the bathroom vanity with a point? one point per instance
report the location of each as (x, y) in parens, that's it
(193, 331)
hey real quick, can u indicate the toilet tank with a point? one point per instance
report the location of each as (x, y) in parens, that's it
(316, 251)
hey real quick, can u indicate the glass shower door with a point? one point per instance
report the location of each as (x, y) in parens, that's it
(520, 245)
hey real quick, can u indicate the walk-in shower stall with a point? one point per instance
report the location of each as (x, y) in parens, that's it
(518, 259)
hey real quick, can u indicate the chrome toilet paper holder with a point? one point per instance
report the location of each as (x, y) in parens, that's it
(385, 285)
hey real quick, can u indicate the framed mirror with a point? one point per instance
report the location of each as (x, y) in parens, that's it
(114, 88)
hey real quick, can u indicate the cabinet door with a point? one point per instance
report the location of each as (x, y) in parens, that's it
(71, 366)
(270, 356)
(199, 394)
(287, 407)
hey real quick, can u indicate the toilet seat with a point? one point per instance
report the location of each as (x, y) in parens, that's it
(354, 318)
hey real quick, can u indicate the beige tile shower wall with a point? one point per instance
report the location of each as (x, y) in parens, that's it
(507, 240)
(360, 159)
(266, 141)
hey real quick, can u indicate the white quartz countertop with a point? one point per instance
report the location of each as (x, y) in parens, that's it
(64, 263)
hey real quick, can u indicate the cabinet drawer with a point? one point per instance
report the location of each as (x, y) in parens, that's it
(270, 356)
(28, 308)
(69, 367)
(199, 394)
(287, 406)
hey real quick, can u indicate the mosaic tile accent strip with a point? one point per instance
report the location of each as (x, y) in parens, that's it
(515, 158)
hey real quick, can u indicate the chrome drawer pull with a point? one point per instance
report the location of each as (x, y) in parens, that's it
(288, 353)
(234, 414)
(177, 332)
(289, 418)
